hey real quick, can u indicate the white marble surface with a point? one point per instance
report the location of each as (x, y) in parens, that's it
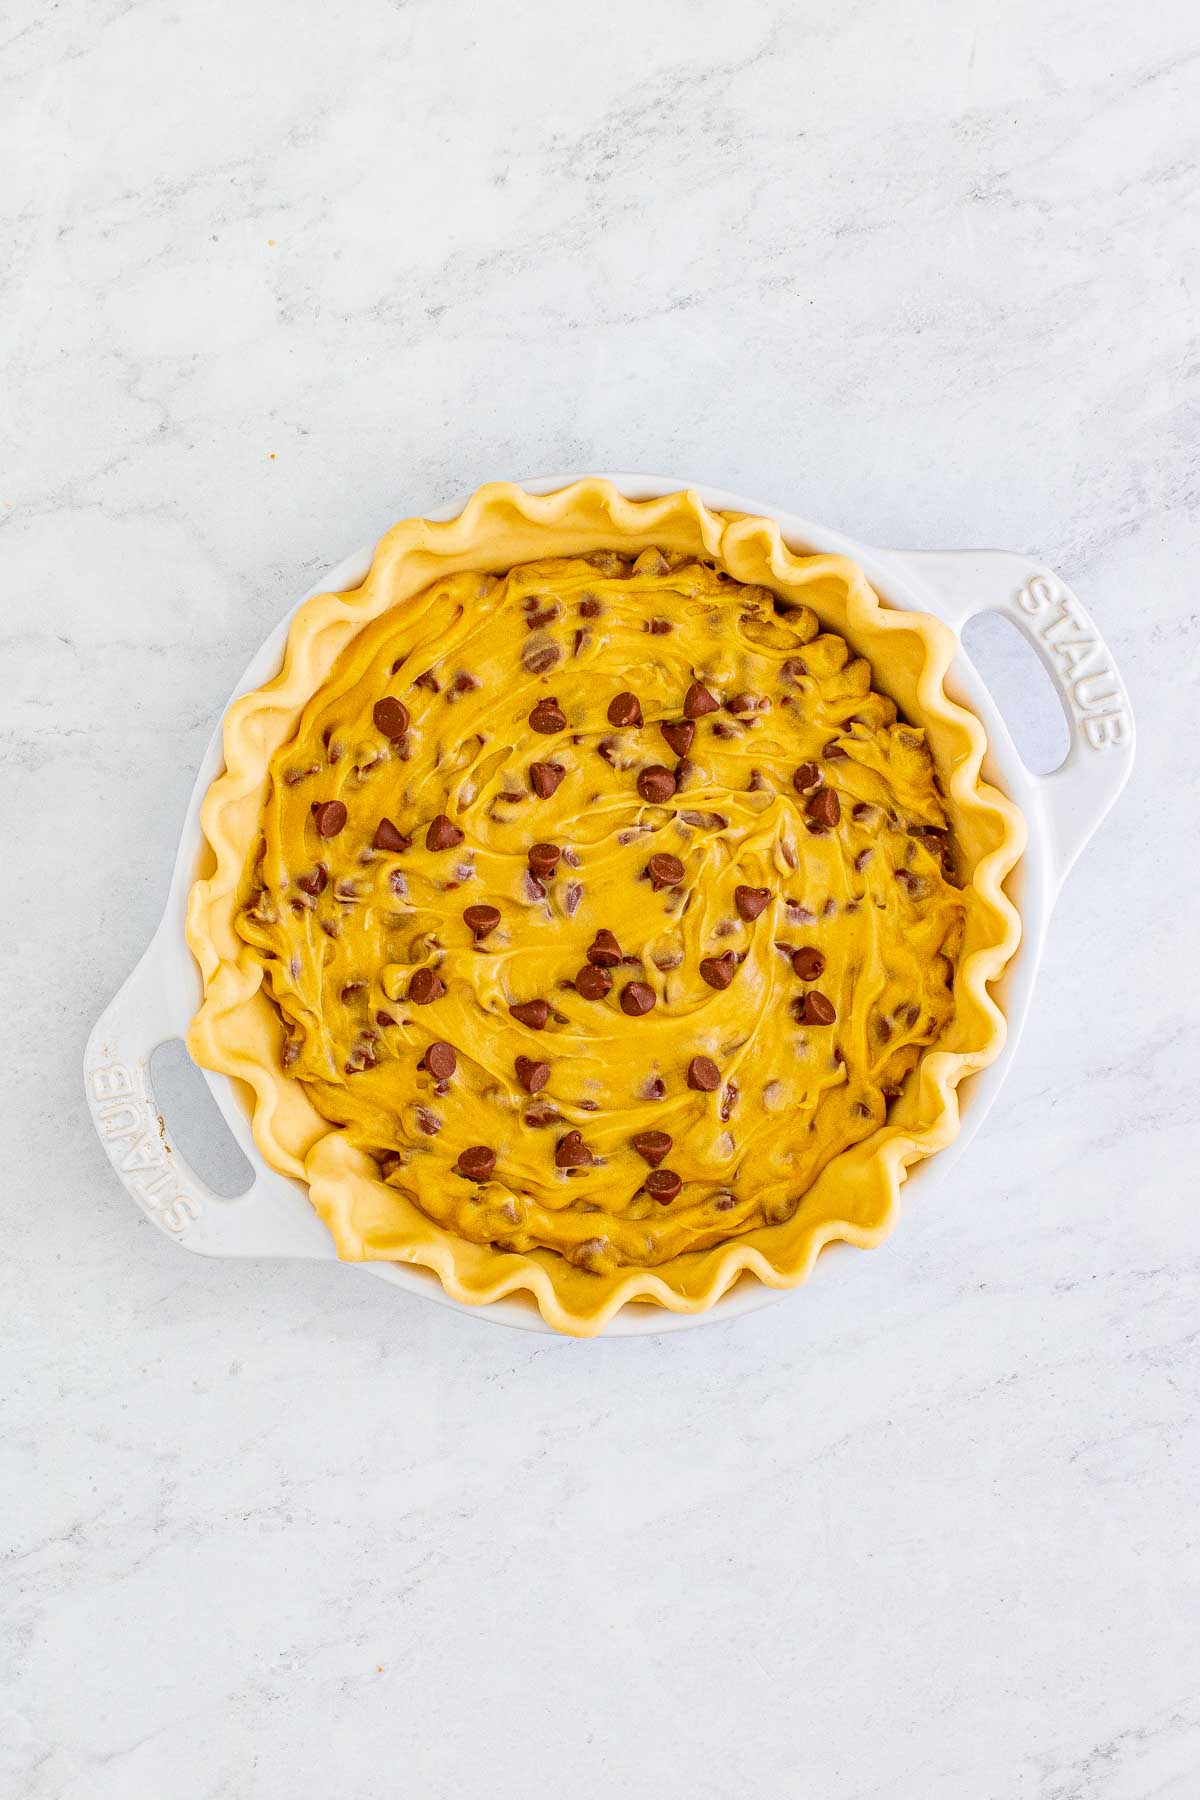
(278, 271)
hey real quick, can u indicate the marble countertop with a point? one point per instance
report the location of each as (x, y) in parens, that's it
(272, 274)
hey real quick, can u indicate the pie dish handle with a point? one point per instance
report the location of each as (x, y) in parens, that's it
(154, 1006)
(1076, 796)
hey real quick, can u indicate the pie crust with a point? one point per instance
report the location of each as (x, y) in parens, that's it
(246, 1026)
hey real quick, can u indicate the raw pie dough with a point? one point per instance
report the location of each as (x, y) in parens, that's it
(665, 815)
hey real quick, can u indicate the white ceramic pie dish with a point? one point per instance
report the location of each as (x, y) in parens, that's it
(1062, 810)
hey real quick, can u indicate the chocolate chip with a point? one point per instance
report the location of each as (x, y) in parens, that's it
(387, 837)
(477, 1164)
(384, 1018)
(864, 812)
(314, 882)
(664, 1186)
(590, 608)
(540, 655)
(440, 1060)
(625, 709)
(543, 860)
(604, 950)
(679, 735)
(425, 986)
(664, 870)
(592, 982)
(659, 627)
(443, 834)
(833, 752)
(741, 703)
(825, 807)
(391, 717)
(751, 901)
(729, 1100)
(656, 784)
(532, 1076)
(480, 920)
(808, 963)
(329, 816)
(545, 778)
(807, 778)
(817, 1009)
(428, 680)
(653, 1146)
(548, 717)
(718, 971)
(703, 1075)
(698, 701)
(637, 997)
(536, 616)
(571, 1152)
(540, 1115)
(533, 1013)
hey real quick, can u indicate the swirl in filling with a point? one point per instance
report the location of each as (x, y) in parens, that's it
(603, 903)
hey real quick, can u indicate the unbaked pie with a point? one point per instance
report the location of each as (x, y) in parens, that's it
(604, 904)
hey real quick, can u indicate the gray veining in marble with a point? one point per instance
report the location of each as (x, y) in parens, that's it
(272, 273)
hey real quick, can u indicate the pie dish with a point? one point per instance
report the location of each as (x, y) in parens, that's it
(554, 732)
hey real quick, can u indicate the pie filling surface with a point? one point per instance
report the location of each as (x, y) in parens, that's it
(604, 903)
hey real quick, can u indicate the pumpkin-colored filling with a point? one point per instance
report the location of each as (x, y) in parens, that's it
(669, 821)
